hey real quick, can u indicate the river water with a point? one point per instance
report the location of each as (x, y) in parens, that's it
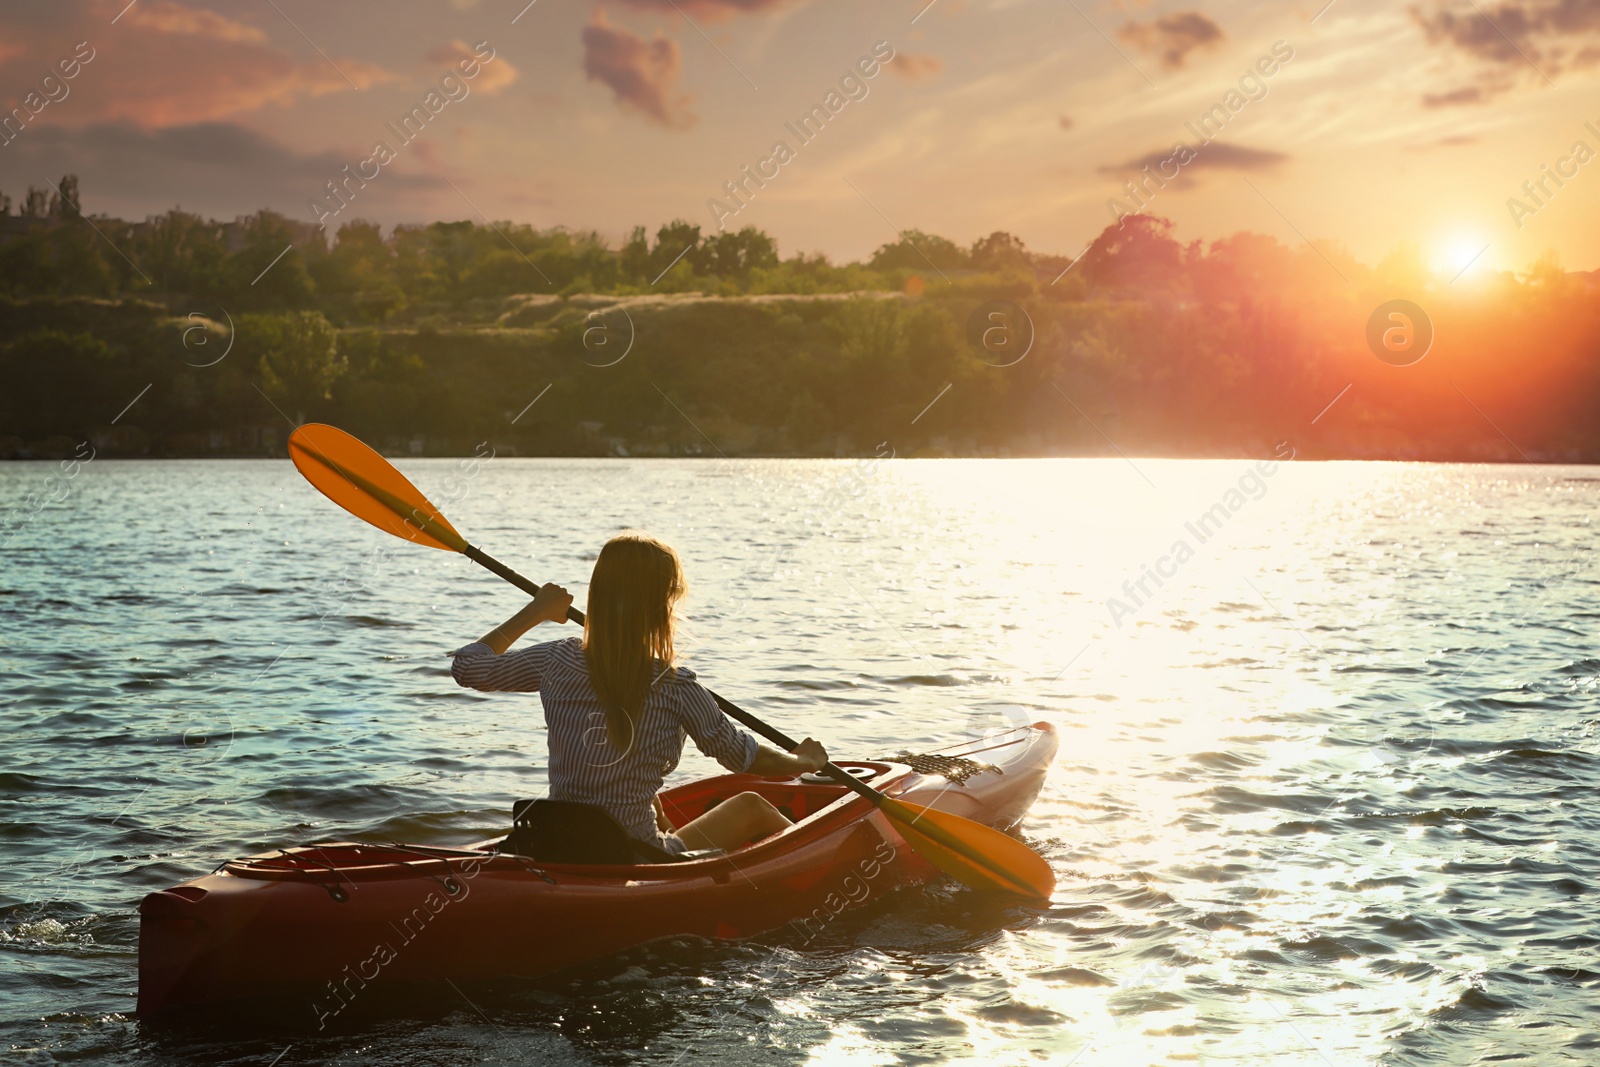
(1326, 794)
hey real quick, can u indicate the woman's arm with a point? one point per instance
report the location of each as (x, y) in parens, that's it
(732, 747)
(808, 756)
(549, 605)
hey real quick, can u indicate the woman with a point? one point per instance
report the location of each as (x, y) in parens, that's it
(618, 712)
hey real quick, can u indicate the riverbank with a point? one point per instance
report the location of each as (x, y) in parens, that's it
(962, 372)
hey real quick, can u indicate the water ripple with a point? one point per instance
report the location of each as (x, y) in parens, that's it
(1326, 797)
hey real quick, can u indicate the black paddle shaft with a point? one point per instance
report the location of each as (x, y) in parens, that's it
(729, 708)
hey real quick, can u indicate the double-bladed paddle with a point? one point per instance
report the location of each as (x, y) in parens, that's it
(368, 486)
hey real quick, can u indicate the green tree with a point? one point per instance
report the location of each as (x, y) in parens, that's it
(64, 202)
(297, 355)
(1137, 254)
(182, 253)
(269, 272)
(1000, 251)
(735, 255)
(919, 251)
(636, 256)
(56, 261)
(677, 239)
(360, 274)
(55, 382)
(872, 344)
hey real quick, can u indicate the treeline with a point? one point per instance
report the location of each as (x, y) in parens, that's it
(426, 273)
(435, 338)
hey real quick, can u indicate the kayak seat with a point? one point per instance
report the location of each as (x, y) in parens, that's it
(565, 831)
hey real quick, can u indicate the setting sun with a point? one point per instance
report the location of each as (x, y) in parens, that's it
(1461, 255)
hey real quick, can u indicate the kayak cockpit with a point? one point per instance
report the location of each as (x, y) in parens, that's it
(806, 801)
(338, 866)
(798, 798)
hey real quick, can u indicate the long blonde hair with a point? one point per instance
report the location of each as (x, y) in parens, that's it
(627, 634)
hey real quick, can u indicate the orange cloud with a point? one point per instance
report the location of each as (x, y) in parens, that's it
(165, 64)
(166, 17)
(495, 75)
(1173, 37)
(914, 67)
(642, 74)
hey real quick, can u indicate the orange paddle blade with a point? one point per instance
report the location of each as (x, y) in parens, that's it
(366, 485)
(976, 855)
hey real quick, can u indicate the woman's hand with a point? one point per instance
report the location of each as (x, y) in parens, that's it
(812, 756)
(550, 604)
(807, 756)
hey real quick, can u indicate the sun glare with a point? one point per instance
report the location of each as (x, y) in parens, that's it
(1460, 256)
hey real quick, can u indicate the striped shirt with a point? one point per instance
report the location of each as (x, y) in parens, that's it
(584, 766)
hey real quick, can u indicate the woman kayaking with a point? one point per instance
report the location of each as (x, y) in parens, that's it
(617, 709)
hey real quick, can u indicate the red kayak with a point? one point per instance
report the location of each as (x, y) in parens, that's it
(338, 917)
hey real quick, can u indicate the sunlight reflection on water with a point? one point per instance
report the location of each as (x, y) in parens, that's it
(1324, 793)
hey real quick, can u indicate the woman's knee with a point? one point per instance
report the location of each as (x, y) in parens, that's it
(732, 823)
(759, 810)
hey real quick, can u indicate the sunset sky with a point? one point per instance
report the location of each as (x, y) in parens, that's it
(1390, 123)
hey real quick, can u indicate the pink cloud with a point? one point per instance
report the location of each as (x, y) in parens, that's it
(163, 16)
(494, 75)
(642, 74)
(164, 64)
(1173, 37)
(915, 67)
